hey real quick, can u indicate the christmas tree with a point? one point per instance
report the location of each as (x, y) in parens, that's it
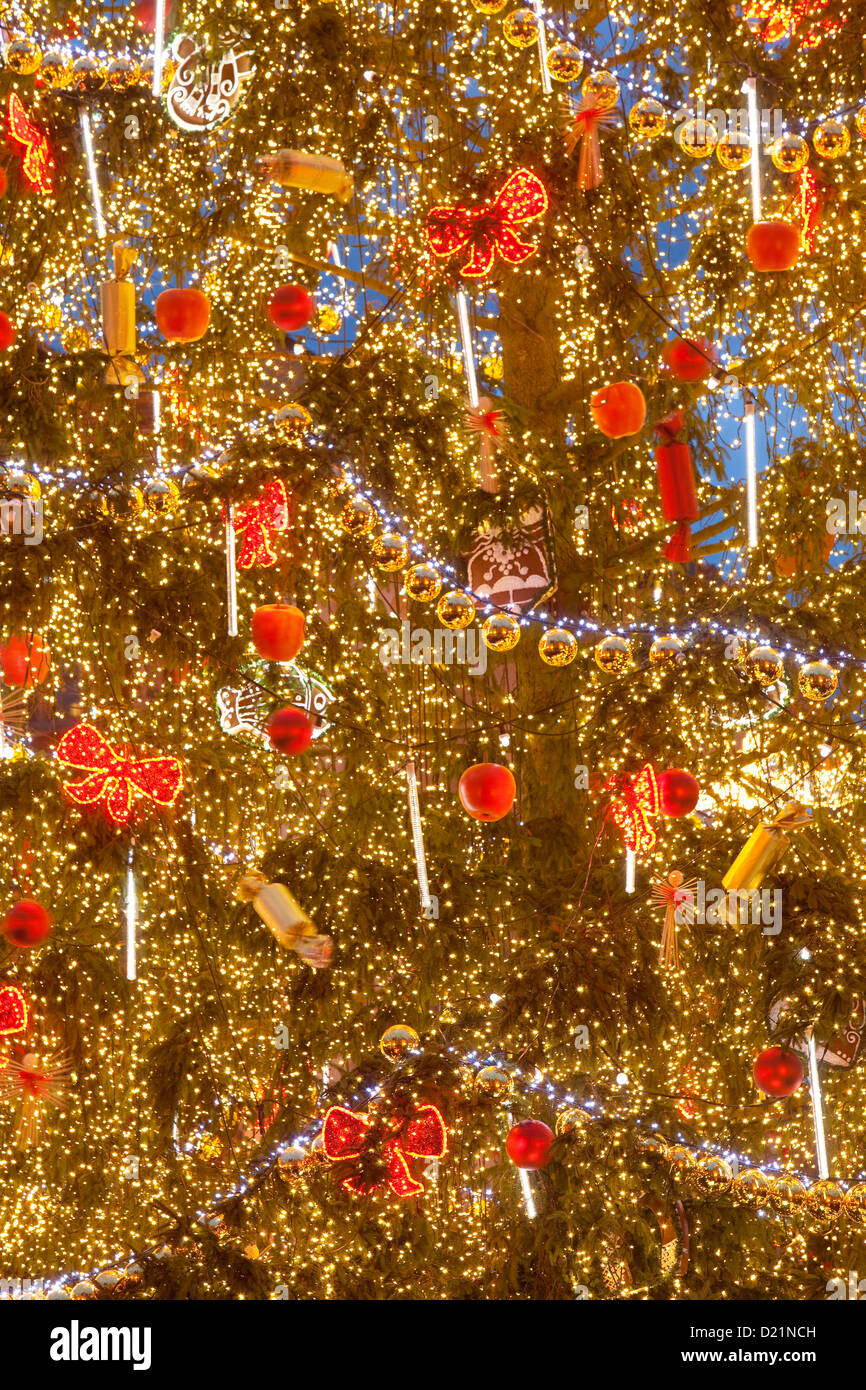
(431, 581)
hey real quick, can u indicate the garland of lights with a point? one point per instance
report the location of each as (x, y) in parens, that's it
(93, 75)
(336, 1136)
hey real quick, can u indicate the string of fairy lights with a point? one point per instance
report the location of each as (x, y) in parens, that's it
(717, 1173)
(185, 709)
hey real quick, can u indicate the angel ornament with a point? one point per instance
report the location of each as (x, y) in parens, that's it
(675, 895)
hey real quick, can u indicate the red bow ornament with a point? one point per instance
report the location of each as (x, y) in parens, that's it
(783, 19)
(636, 801)
(347, 1136)
(37, 163)
(115, 778)
(490, 228)
(269, 512)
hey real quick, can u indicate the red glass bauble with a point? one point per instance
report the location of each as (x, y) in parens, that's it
(291, 307)
(182, 316)
(24, 660)
(290, 730)
(689, 360)
(528, 1144)
(4, 182)
(618, 409)
(278, 631)
(778, 1072)
(26, 924)
(7, 332)
(487, 791)
(774, 246)
(679, 792)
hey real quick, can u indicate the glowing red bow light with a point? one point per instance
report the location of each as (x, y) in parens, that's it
(637, 799)
(115, 778)
(37, 163)
(347, 1136)
(269, 512)
(781, 19)
(491, 227)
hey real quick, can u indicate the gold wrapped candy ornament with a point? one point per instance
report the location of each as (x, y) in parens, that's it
(288, 921)
(761, 853)
(117, 300)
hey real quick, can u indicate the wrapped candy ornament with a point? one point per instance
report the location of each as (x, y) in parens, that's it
(676, 479)
(286, 919)
(117, 300)
(317, 173)
(760, 855)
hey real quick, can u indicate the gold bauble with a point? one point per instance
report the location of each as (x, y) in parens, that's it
(855, 1199)
(122, 74)
(646, 118)
(22, 484)
(492, 368)
(734, 151)
(766, 665)
(653, 1144)
(84, 1289)
(391, 551)
(88, 76)
(564, 62)
(786, 1191)
(680, 1158)
(108, 1279)
(714, 1174)
(292, 420)
(789, 153)
(860, 121)
(831, 139)
(455, 609)
(494, 1082)
(327, 321)
(520, 28)
(613, 655)
(423, 583)
(23, 56)
(397, 1040)
(752, 1185)
(572, 1118)
(501, 632)
(358, 516)
(667, 651)
(161, 495)
(489, 6)
(817, 681)
(601, 89)
(289, 1159)
(557, 647)
(697, 138)
(826, 1197)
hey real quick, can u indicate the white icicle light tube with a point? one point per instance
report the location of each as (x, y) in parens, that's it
(417, 837)
(231, 573)
(466, 342)
(131, 917)
(817, 1110)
